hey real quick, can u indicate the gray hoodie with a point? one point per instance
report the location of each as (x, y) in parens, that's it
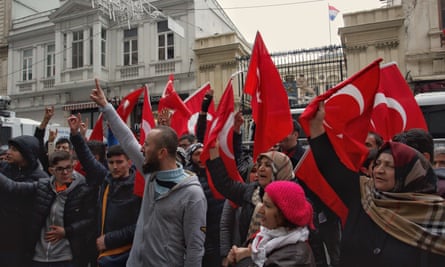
(170, 230)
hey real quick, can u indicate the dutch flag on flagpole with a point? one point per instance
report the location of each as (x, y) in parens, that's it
(332, 12)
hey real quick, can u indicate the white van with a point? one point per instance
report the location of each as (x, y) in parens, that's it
(433, 109)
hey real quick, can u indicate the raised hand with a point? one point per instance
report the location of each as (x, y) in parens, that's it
(83, 128)
(74, 123)
(164, 117)
(239, 120)
(52, 135)
(97, 95)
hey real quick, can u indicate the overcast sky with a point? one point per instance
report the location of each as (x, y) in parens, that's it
(291, 24)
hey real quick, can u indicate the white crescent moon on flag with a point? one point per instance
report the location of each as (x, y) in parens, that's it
(125, 105)
(222, 136)
(352, 91)
(146, 127)
(390, 102)
(191, 123)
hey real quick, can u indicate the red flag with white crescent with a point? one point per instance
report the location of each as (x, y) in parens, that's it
(186, 125)
(395, 108)
(222, 130)
(147, 124)
(347, 130)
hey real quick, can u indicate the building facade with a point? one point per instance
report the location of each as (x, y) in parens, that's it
(5, 19)
(55, 55)
(408, 32)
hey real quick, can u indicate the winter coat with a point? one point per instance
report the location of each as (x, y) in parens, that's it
(78, 215)
(122, 205)
(293, 255)
(364, 243)
(239, 193)
(15, 210)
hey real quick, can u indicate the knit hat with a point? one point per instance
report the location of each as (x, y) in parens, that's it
(281, 165)
(289, 197)
(28, 146)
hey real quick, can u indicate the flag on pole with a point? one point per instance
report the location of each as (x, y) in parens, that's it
(186, 124)
(395, 108)
(171, 100)
(347, 131)
(147, 123)
(270, 103)
(222, 131)
(332, 12)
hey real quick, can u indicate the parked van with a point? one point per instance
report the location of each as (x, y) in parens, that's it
(433, 109)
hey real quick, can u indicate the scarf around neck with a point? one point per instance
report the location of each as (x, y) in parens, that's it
(416, 219)
(267, 240)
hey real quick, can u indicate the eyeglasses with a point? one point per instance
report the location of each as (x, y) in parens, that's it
(62, 169)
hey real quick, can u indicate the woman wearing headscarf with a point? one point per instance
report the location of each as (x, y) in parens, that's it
(286, 216)
(394, 217)
(271, 166)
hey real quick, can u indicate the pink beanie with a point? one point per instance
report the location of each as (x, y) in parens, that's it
(289, 197)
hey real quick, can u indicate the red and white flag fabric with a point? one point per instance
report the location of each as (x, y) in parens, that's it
(333, 12)
(98, 131)
(171, 100)
(147, 123)
(270, 104)
(186, 125)
(347, 130)
(221, 130)
(395, 108)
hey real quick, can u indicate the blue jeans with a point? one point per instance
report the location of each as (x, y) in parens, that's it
(53, 264)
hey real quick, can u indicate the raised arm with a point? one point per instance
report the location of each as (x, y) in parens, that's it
(229, 188)
(17, 188)
(344, 181)
(120, 129)
(201, 124)
(95, 171)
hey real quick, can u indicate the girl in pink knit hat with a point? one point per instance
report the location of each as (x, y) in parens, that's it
(282, 240)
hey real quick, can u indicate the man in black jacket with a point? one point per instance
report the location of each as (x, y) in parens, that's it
(117, 205)
(21, 165)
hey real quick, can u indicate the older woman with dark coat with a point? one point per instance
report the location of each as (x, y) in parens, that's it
(394, 217)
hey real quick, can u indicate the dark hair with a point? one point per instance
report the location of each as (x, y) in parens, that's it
(97, 148)
(372, 155)
(58, 156)
(167, 139)
(418, 139)
(378, 138)
(116, 150)
(297, 127)
(64, 140)
(190, 137)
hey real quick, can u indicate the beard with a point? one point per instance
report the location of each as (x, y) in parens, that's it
(150, 167)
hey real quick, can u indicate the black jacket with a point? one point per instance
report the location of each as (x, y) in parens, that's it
(78, 216)
(15, 210)
(364, 243)
(123, 205)
(239, 193)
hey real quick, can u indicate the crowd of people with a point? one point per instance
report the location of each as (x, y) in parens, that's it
(70, 202)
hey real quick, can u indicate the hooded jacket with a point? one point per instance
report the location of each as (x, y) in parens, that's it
(75, 212)
(15, 215)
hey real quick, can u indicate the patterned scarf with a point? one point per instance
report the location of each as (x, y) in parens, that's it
(255, 221)
(416, 219)
(267, 240)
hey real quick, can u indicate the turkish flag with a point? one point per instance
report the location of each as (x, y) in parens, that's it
(171, 100)
(98, 131)
(222, 130)
(147, 123)
(270, 104)
(395, 108)
(347, 130)
(186, 124)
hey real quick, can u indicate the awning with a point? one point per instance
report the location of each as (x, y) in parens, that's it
(80, 106)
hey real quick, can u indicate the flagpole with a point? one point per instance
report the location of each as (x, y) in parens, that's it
(330, 34)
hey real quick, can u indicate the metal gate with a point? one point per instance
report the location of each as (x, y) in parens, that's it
(305, 73)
